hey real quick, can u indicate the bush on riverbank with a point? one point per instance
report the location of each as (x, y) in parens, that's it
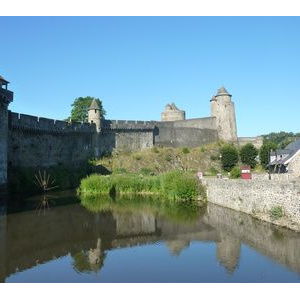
(175, 186)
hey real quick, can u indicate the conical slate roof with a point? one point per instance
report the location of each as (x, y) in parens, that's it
(174, 107)
(94, 105)
(222, 90)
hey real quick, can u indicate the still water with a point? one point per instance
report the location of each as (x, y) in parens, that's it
(140, 242)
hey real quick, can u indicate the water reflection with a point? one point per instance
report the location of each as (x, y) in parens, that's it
(89, 261)
(28, 239)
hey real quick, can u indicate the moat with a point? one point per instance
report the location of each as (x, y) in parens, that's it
(137, 243)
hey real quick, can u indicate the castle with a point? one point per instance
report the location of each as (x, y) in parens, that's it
(30, 141)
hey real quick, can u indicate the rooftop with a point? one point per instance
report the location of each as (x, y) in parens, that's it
(172, 106)
(288, 152)
(94, 105)
(3, 80)
(222, 91)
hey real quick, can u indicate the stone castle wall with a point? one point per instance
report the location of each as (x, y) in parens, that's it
(34, 141)
(37, 141)
(187, 133)
(173, 115)
(3, 145)
(256, 141)
(258, 197)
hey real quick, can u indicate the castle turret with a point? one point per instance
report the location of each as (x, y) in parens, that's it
(6, 97)
(172, 113)
(94, 115)
(223, 109)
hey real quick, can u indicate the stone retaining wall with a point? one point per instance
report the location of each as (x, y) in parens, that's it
(258, 197)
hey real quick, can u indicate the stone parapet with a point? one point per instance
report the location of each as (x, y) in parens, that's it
(127, 125)
(28, 123)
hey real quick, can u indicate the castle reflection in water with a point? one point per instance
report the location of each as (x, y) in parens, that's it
(28, 238)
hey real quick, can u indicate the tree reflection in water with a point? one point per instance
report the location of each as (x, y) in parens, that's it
(89, 261)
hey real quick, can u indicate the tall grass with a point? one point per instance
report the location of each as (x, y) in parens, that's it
(173, 186)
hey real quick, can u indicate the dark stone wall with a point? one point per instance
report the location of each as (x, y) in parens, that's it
(28, 149)
(41, 142)
(3, 147)
(168, 134)
(106, 142)
(35, 142)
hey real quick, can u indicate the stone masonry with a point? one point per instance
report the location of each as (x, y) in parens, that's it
(172, 113)
(6, 97)
(258, 197)
(30, 141)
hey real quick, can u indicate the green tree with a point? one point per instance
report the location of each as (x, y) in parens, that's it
(248, 154)
(80, 108)
(229, 157)
(264, 152)
(281, 139)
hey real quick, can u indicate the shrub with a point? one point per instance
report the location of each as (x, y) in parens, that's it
(185, 150)
(229, 157)
(276, 212)
(177, 185)
(236, 172)
(248, 154)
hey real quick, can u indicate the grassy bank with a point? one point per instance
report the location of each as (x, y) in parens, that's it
(173, 186)
(162, 159)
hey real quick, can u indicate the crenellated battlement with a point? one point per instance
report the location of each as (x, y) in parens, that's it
(127, 125)
(43, 125)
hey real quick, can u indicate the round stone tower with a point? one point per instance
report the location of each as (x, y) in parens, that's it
(222, 108)
(94, 115)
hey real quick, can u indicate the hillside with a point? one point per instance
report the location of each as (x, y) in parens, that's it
(157, 160)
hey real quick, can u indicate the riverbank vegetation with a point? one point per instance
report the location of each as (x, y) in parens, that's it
(210, 159)
(172, 186)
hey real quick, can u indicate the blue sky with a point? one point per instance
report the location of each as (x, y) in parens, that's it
(136, 65)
